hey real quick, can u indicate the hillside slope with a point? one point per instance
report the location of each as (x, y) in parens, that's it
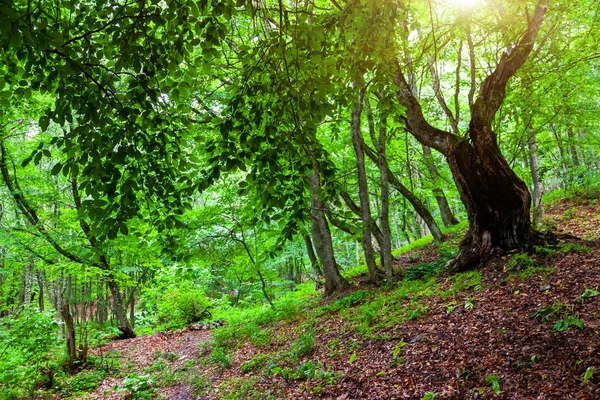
(524, 327)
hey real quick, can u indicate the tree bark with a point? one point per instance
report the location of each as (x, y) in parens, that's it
(69, 333)
(363, 189)
(314, 262)
(387, 260)
(497, 201)
(448, 218)
(417, 204)
(321, 236)
(538, 189)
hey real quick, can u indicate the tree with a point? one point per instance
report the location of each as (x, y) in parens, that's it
(496, 199)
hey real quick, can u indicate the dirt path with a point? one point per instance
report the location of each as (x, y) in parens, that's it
(179, 352)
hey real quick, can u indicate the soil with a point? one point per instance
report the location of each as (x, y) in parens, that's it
(458, 350)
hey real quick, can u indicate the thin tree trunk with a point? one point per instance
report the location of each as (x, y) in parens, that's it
(417, 204)
(448, 218)
(321, 236)
(538, 209)
(314, 262)
(387, 260)
(572, 146)
(363, 189)
(69, 333)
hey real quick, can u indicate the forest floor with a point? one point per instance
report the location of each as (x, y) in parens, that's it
(523, 327)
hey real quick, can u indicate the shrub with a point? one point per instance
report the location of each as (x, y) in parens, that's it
(183, 304)
(26, 358)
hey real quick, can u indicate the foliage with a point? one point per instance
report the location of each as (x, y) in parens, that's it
(27, 357)
(494, 382)
(137, 387)
(567, 322)
(182, 304)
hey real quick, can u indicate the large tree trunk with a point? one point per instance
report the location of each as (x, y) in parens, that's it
(321, 236)
(496, 200)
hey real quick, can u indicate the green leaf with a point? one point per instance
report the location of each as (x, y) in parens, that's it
(352, 359)
(56, 169)
(124, 230)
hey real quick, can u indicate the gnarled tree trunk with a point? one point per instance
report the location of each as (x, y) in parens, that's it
(496, 200)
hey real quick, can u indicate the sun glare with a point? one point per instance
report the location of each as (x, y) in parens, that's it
(464, 3)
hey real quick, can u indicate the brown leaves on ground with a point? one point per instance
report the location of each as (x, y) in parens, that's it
(465, 345)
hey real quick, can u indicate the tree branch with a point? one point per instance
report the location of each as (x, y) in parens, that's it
(493, 89)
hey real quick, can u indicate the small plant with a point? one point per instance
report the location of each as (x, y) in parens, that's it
(544, 314)
(545, 251)
(220, 358)
(255, 363)
(567, 322)
(416, 313)
(428, 396)
(352, 358)
(573, 248)
(303, 346)
(451, 306)
(469, 306)
(494, 382)
(589, 374)
(588, 294)
(137, 387)
(396, 352)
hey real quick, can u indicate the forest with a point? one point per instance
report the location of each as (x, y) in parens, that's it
(286, 199)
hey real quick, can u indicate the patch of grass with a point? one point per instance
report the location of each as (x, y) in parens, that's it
(243, 388)
(463, 282)
(573, 248)
(541, 272)
(220, 357)
(520, 262)
(256, 363)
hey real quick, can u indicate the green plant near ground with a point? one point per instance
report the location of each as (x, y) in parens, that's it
(545, 251)
(183, 304)
(137, 387)
(418, 311)
(255, 363)
(462, 282)
(520, 262)
(243, 388)
(544, 314)
(567, 247)
(29, 353)
(85, 381)
(540, 272)
(220, 357)
(588, 294)
(429, 396)
(494, 382)
(200, 384)
(302, 346)
(566, 322)
(589, 374)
